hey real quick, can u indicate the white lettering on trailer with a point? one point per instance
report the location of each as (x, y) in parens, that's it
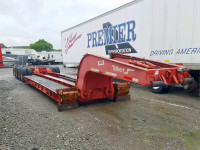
(135, 80)
(128, 71)
(125, 50)
(111, 74)
(156, 72)
(95, 70)
(122, 70)
(100, 63)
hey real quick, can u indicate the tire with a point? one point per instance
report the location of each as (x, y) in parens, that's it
(57, 69)
(161, 89)
(23, 73)
(193, 87)
(167, 88)
(20, 73)
(29, 71)
(17, 72)
(53, 69)
(50, 68)
(13, 71)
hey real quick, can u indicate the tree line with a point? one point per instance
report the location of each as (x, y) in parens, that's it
(40, 45)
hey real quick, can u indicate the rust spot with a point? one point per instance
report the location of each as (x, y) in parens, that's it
(122, 88)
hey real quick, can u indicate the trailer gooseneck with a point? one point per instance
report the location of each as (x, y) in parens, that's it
(95, 78)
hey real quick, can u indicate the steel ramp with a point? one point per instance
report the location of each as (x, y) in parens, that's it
(53, 86)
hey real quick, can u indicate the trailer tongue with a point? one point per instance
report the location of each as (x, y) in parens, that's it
(95, 78)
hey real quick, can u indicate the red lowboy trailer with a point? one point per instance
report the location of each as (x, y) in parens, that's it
(1, 58)
(95, 78)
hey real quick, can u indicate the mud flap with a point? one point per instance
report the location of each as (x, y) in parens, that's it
(122, 98)
(63, 107)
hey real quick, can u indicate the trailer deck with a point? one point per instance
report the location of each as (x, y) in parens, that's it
(51, 85)
(55, 88)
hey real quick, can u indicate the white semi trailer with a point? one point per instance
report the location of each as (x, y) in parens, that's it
(53, 57)
(162, 30)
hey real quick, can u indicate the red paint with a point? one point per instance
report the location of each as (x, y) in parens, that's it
(71, 40)
(95, 84)
(128, 78)
(1, 58)
(180, 64)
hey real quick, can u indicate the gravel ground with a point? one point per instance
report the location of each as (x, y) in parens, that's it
(30, 120)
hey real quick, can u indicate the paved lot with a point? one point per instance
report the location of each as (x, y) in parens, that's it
(30, 120)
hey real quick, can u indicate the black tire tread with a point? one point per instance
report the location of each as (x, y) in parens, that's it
(29, 71)
(162, 89)
(57, 69)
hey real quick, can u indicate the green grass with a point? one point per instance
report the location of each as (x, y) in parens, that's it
(175, 129)
(191, 140)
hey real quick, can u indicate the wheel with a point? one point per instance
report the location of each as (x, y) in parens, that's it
(38, 62)
(17, 72)
(50, 68)
(57, 69)
(20, 73)
(23, 73)
(193, 87)
(29, 71)
(161, 89)
(13, 71)
(167, 88)
(53, 69)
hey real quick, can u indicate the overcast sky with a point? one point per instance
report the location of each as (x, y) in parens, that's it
(25, 21)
